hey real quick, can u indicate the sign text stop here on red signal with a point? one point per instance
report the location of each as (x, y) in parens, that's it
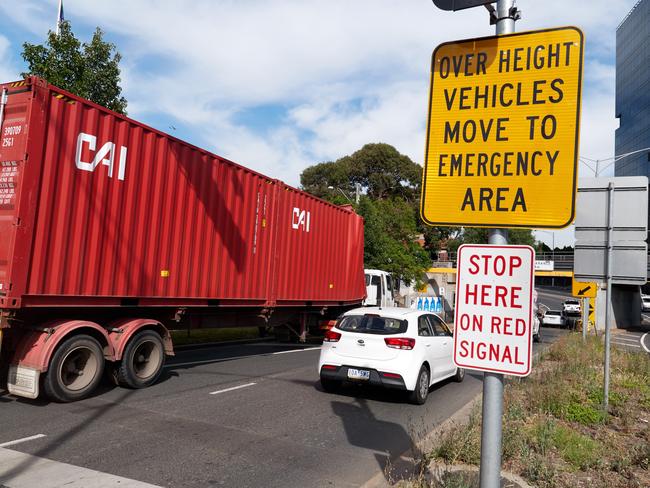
(493, 330)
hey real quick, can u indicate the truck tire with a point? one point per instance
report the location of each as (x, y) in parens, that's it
(75, 370)
(143, 360)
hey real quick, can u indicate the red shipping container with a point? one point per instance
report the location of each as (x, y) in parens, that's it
(97, 209)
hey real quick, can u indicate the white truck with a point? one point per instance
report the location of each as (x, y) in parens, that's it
(380, 288)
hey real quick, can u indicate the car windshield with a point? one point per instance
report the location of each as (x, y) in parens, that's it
(552, 313)
(372, 324)
(572, 302)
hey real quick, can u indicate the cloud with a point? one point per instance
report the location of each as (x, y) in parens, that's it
(8, 71)
(339, 73)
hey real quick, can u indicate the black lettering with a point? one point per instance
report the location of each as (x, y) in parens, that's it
(551, 160)
(538, 60)
(504, 59)
(468, 64)
(481, 59)
(519, 201)
(500, 199)
(481, 165)
(464, 96)
(554, 55)
(538, 91)
(550, 133)
(468, 200)
(481, 96)
(532, 119)
(485, 195)
(469, 163)
(528, 56)
(522, 163)
(469, 136)
(451, 134)
(533, 161)
(485, 131)
(506, 163)
(495, 168)
(501, 94)
(568, 52)
(560, 93)
(515, 64)
(456, 163)
(519, 100)
(457, 61)
(501, 128)
(444, 67)
(449, 100)
(441, 165)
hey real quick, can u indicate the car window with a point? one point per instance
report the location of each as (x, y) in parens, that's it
(439, 327)
(372, 324)
(424, 328)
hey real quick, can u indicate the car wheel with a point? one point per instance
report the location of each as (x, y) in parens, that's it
(143, 360)
(460, 375)
(75, 370)
(330, 386)
(419, 395)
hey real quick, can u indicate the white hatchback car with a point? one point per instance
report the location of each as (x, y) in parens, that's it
(397, 348)
(554, 317)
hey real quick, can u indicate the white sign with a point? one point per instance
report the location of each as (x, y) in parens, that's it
(544, 265)
(494, 313)
(442, 291)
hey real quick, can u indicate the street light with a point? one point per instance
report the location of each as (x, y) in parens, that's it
(357, 192)
(614, 159)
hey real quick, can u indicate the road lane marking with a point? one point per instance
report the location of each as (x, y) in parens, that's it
(630, 338)
(24, 439)
(625, 344)
(233, 388)
(643, 342)
(20, 470)
(297, 350)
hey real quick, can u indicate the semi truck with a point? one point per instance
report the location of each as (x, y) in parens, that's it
(112, 233)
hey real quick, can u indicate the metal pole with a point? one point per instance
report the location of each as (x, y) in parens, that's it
(490, 474)
(585, 317)
(553, 257)
(608, 297)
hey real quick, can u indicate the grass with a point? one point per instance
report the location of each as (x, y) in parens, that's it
(202, 336)
(555, 433)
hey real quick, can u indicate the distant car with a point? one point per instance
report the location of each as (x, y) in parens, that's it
(397, 348)
(553, 317)
(645, 303)
(571, 307)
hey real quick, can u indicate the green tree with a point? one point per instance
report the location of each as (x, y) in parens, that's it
(90, 70)
(390, 187)
(379, 168)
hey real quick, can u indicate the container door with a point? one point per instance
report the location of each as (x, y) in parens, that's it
(13, 139)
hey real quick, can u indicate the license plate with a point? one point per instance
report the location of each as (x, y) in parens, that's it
(358, 374)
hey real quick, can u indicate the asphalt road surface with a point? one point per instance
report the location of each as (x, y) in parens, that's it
(246, 415)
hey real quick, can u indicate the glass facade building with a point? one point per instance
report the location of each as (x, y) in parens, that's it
(633, 91)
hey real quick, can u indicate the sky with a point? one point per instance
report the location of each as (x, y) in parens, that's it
(279, 85)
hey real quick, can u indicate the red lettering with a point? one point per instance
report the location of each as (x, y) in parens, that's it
(485, 295)
(477, 323)
(473, 261)
(517, 361)
(506, 354)
(496, 322)
(500, 294)
(473, 295)
(480, 351)
(507, 324)
(463, 322)
(520, 327)
(497, 260)
(514, 296)
(463, 349)
(513, 260)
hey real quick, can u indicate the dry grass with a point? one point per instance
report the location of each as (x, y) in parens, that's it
(555, 433)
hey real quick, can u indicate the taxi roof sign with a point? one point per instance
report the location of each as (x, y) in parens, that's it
(503, 129)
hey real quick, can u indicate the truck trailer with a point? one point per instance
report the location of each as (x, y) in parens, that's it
(112, 233)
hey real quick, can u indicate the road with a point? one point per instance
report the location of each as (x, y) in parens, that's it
(246, 415)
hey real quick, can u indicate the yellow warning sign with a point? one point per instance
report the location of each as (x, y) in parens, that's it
(582, 290)
(503, 128)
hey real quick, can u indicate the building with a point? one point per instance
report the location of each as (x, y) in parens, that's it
(633, 91)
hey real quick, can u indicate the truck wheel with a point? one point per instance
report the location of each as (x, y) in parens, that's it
(75, 369)
(142, 361)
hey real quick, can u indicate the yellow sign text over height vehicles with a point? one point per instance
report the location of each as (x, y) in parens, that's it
(502, 137)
